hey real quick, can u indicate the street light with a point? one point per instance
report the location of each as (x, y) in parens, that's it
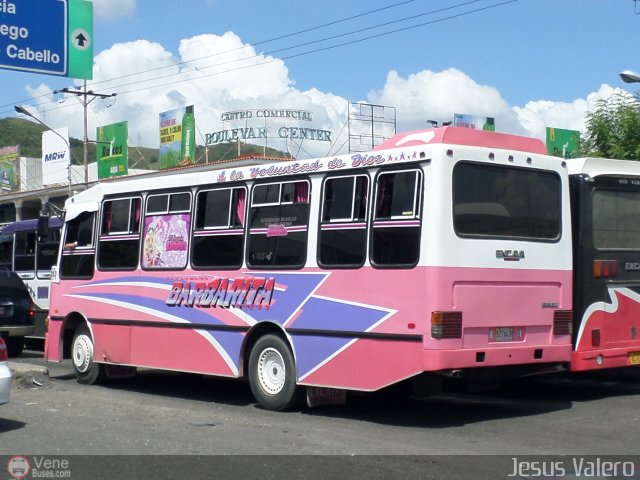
(24, 111)
(630, 77)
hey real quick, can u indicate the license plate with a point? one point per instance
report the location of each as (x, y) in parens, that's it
(503, 334)
(634, 358)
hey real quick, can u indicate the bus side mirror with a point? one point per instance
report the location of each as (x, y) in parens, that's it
(43, 228)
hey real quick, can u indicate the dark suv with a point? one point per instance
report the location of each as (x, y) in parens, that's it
(17, 315)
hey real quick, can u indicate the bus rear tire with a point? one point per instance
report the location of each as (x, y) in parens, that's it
(86, 370)
(272, 374)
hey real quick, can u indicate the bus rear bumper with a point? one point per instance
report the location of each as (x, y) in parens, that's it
(434, 360)
(605, 358)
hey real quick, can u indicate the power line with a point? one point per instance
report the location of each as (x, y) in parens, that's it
(317, 50)
(262, 42)
(305, 44)
(322, 49)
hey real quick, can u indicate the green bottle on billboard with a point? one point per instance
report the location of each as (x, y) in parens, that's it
(188, 146)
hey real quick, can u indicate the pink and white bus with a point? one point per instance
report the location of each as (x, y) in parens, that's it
(446, 250)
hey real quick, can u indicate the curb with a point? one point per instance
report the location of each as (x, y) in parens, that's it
(21, 370)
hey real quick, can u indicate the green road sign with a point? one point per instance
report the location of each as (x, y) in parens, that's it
(80, 39)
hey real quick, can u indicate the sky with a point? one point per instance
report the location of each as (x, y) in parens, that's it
(528, 63)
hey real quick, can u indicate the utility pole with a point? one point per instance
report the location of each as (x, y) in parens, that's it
(85, 98)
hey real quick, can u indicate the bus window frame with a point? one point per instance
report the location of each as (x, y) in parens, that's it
(84, 250)
(102, 235)
(354, 175)
(9, 236)
(231, 188)
(418, 213)
(280, 203)
(26, 233)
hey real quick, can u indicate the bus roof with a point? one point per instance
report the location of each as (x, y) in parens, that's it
(465, 136)
(602, 166)
(27, 225)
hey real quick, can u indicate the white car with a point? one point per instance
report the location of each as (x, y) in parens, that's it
(5, 373)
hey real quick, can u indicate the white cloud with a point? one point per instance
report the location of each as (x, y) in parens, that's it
(113, 9)
(428, 95)
(231, 77)
(438, 95)
(535, 116)
(234, 77)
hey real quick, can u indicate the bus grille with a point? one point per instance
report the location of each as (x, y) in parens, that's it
(563, 322)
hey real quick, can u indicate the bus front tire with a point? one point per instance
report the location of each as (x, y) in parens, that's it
(272, 374)
(87, 371)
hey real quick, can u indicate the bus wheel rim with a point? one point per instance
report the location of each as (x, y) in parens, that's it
(271, 371)
(82, 353)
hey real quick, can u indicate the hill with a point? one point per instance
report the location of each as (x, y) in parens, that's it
(28, 134)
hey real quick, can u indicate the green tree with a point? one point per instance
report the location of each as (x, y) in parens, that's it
(613, 129)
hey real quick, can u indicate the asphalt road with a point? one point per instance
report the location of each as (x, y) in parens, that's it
(167, 416)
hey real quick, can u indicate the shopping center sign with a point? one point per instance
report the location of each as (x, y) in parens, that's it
(47, 36)
(262, 131)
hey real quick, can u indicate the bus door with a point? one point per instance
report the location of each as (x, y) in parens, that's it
(606, 211)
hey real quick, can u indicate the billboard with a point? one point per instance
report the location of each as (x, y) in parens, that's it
(561, 142)
(9, 169)
(177, 138)
(56, 156)
(112, 153)
(473, 121)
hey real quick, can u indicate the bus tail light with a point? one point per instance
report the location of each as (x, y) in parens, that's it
(446, 324)
(563, 322)
(605, 268)
(4, 355)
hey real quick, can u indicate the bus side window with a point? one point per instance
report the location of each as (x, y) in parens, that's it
(119, 242)
(395, 239)
(25, 254)
(343, 230)
(78, 257)
(218, 237)
(278, 224)
(6, 251)
(48, 252)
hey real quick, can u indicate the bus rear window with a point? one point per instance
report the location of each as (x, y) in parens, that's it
(506, 202)
(615, 219)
